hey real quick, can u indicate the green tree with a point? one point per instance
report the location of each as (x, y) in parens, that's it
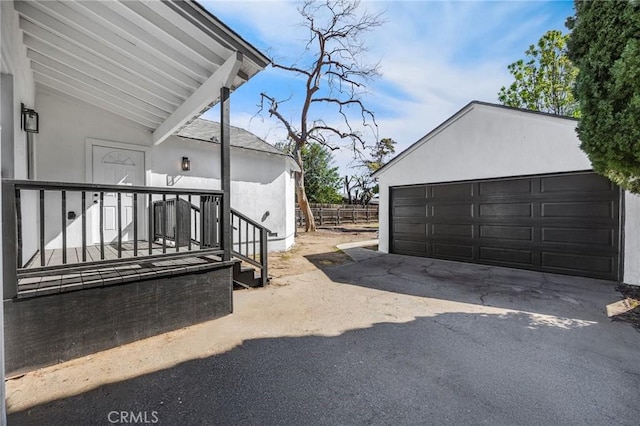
(322, 181)
(605, 45)
(361, 188)
(545, 80)
(379, 153)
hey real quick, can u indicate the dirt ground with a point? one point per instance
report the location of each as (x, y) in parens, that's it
(318, 249)
(312, 251)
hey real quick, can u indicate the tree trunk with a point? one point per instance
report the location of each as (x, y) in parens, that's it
(301, 194)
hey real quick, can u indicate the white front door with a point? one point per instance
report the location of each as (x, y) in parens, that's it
(116, 166)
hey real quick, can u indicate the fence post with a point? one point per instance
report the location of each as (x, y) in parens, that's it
(320, 216)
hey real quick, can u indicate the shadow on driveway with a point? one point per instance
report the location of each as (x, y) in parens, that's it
(447, 369)
(531, 291)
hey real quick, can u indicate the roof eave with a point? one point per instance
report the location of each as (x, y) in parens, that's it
(202, 15)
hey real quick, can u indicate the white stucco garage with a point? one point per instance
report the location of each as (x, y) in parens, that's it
(510, 187)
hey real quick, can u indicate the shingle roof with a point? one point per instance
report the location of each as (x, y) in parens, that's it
(205, 130)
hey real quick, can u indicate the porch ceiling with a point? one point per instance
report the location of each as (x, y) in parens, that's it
(158, 64)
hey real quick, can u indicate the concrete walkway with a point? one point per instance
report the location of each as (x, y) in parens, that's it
(384, 340)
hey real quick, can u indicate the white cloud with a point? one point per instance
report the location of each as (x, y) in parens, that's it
(435, 58)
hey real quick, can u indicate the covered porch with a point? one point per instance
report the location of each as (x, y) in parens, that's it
(104, 239)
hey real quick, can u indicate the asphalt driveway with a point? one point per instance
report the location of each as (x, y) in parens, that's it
(384, 340)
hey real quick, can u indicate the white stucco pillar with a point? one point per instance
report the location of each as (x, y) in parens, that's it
(631, 232)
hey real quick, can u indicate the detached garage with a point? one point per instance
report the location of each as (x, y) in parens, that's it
(502, 186)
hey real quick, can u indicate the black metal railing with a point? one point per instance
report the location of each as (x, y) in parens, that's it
(183, 225)
(93, 224)
(249, 242)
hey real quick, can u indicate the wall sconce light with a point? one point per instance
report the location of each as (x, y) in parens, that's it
(186, 164)
(30, 120)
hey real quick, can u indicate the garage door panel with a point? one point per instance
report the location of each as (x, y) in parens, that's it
(590, 209)
(410, 202)
(557, 223)
(410, 192)
(452, 230)
(451, 210)
(451, 191)
(518, 233)
(506, 187)
(505, 255)
(575, 183)
(600, 237)
(506, 209)
(577, 262)
(400, 246)
(409, 211)
(410, 228)
(452, 251)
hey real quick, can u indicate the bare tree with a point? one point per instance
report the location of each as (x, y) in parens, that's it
(349, 186)
(334, 77)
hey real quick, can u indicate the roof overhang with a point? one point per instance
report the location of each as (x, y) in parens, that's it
(158, 64)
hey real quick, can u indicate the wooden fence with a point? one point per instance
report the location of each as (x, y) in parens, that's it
(337, 214)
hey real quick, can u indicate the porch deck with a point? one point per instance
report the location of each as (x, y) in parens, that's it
(105, 275)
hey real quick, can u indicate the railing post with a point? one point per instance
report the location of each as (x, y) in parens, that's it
(9, 255)
(151, 237)
(63, 202)
(225, 172)
(264, 276)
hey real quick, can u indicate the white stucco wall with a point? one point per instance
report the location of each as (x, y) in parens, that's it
(491, 142)
(632, 239)
(15, 63)
(65, 125)
(260, 182)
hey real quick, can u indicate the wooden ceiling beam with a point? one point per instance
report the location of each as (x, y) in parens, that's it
(179, 56)
(44, 41)
(72, 91)
(81, 39)
(207, 94)
(39, 61)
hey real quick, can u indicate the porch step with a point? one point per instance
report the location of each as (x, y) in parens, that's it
(245, 276)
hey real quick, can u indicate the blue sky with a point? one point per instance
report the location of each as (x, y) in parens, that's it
(435, 57)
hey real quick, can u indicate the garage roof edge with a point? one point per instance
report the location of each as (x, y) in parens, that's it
(459, 114)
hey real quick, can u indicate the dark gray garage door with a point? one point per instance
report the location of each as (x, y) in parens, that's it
(563, 223)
